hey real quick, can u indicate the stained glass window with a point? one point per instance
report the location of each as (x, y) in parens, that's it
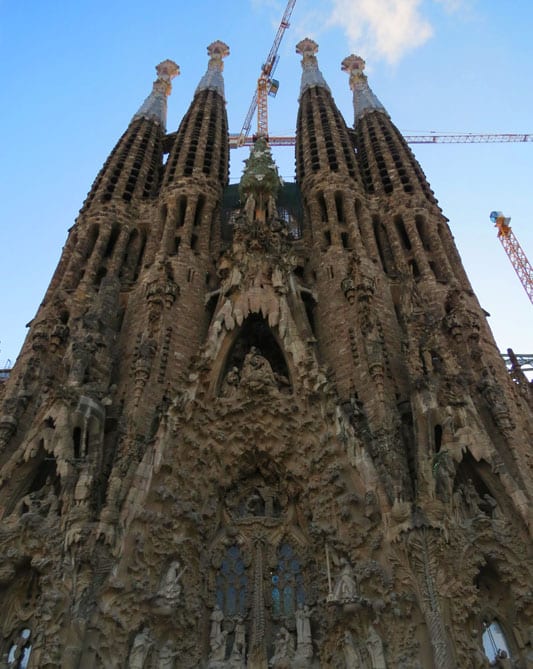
(494, 641)
(20, 651)
(231, 583)
(287, 583)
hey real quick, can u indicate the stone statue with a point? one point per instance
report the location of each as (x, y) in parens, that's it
(352, 659)
(218, 647)
(256, 371)
(471, 498)
(167, 656)
(303, 632)
(217, 618)
(444, 470)
(139, 649)
(283, 650)
(231, 383)
(217, 636)
(237, 658)
(374, 645)
(345, 589)
(170, 589)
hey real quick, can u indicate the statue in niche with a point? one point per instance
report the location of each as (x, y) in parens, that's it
(352, 658)
(374, 645)
(303, 632)
(218, 648)
(256, 371)
(167, 656)
(471, 498)
(283, 650)
(444, 470)
(254, 505)
(42, 501)
(139, 649)
(217, 637)
(217, 618)
(237, 658)
(231, 383)
(170, 589)
(345, 589)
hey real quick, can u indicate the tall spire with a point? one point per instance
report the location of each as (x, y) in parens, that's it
(363, 98)
(154, 107)
(311, 75)
(212, 79)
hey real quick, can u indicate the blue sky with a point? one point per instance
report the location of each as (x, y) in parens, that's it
(73, 74)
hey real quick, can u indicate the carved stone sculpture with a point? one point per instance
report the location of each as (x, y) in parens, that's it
(352, 658)
(304, 640)
(345, 589)
(139, 650)
(283, 650)
(374, 645)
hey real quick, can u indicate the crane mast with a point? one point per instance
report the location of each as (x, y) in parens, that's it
(516, 254)
(265, 85)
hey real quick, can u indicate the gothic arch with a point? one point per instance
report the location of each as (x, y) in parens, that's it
(253, 333)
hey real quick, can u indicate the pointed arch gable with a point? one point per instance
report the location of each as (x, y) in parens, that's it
(254, 332)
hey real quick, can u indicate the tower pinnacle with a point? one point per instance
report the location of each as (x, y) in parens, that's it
(155, 105)
(363, 97)
(212, 79)
(311, 75)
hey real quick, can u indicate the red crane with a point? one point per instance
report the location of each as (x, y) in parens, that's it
(266, 86)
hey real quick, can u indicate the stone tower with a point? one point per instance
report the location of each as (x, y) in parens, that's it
(264, 425)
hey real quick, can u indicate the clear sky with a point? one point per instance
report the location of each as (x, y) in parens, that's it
(74, 73)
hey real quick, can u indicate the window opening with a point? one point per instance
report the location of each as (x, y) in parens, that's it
(494, 641)
(287, 583)
(18, 656)
(231, 583)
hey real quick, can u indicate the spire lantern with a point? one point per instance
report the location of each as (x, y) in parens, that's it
(363, 97)
(311, 75)
(212, 79)
(154, 107)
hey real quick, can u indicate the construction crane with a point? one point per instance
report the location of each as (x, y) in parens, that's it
(516, 254)
(266, 86)
(235, 141)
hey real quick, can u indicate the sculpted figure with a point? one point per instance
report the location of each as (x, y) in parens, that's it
(345, 589)
(218, 647)
(256, 370)
(167, 656)
(374, 645)
(304, 640)
(303, 625)
(351, 655)
(283, 650)
(238, 652)
(217, 618)
(231, 383)
(170, 588)
(139, 649)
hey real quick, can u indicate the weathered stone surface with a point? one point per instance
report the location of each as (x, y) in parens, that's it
(224, 446)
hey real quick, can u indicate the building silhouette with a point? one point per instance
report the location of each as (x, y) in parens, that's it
(264, 425)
